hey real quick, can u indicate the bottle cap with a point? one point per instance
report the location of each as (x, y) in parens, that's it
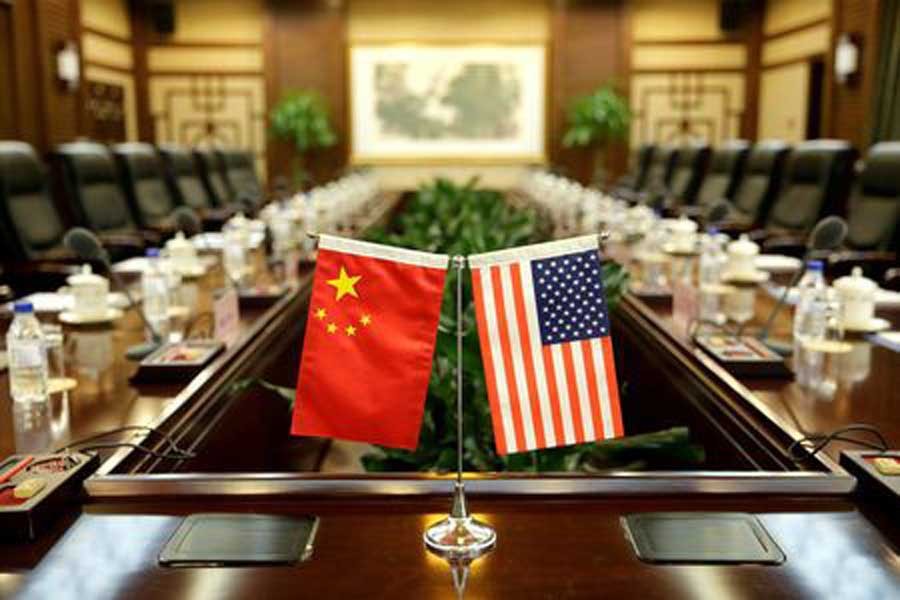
(711, 230)
(815, 265)
(23, 307)
(153, 252)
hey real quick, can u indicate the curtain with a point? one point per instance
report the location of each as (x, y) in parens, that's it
(886, 101)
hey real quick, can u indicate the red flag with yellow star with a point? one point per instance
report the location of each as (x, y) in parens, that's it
(373, 319)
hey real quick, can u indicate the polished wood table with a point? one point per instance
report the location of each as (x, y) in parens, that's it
(372, 548)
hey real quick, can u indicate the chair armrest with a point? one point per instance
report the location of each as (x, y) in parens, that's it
(875, 264)
(791, 246)
(37, 276)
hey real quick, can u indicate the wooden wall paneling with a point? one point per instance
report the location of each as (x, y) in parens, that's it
(586, 50)
(754, 37)
(8, 128)
(140, 37)
(851, 101)
(306, 48)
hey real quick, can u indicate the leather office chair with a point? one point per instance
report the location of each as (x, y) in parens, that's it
(634, 180)
(659, 176)
(726, 166)
(32, 226)
(759, 184)
(687, 173)
(815, 183)
(187, 186)
(212, 173)
(240, 171)
(145, 185)
(873, 216)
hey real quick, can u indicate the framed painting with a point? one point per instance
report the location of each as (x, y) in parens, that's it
(460, 103)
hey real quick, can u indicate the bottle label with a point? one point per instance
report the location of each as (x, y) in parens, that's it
(26, 354)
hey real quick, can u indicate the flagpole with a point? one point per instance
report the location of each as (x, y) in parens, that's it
(459, 535)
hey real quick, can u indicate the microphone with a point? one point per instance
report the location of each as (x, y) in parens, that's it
(828, 234)
(87, 246)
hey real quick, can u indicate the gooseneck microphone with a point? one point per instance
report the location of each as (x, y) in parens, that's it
(828, 234)
(87, 246)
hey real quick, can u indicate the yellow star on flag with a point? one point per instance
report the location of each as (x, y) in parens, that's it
(344, 284)
(366, 320)
(320, 314)
(351, 330)
(331, 328)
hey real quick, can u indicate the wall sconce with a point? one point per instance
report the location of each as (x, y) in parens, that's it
(68, 66)
(846, 58)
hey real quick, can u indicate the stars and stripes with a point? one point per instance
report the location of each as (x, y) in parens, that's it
(544, 332)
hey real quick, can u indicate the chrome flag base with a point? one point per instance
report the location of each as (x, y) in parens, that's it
(460, 535)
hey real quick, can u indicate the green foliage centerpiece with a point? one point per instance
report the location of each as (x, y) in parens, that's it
(301, 119)
(595, 120)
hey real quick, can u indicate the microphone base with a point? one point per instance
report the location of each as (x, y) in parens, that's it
(139, 352)
(781, 348)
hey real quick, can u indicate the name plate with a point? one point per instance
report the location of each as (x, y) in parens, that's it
(685, 305)
(226, 315)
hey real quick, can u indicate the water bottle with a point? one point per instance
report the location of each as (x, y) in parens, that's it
(155, 287)
(234, 257)
(809, 317)
(712, 260)
(27, 357)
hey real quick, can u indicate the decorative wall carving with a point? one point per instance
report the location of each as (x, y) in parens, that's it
(105, 112)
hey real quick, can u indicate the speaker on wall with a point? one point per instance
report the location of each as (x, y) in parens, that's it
(732, 14)
(162, 15)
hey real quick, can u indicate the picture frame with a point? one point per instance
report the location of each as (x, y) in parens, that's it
(416, 104)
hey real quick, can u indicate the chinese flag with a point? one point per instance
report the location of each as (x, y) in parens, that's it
(373, 319)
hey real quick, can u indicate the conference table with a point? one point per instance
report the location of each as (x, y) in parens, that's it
(559, 534)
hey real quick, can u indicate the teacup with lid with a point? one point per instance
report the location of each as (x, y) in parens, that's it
(182, 253)
(857, 294)
(89, 292)
(742, 254)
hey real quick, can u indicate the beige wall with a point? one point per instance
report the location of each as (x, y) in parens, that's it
(425, 21)
(109, 58)
(685, 73)
(795, 31)
(206, 83)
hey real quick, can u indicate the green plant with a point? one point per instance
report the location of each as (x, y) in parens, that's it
(465, 219)
(597, 119)
(301, 119)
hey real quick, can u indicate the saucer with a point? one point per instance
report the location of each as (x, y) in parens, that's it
(874, 324)
(71, 318)
(746, 278)
(680, 250)
(178, 312)
(57, 385)
(192, 272)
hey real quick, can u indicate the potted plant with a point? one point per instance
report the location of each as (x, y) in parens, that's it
(301, 118)
(594, 121)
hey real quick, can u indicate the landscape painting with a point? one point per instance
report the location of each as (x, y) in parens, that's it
(421, 103)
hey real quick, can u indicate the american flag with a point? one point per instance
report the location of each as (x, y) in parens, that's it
(543, 324)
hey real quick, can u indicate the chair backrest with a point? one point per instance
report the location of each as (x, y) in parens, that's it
(726, 165)
(815, 182)
(240, 170)
(93, 187)
(762, 176)
(659, 173)
(687, 173)
(182, 176)
(212, 172)
(874, 209)
(27, 212)
(144, 183)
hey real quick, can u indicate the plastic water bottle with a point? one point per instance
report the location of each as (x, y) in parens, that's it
(712, 260)
(155, 287)
(27, 356)
(809, 316)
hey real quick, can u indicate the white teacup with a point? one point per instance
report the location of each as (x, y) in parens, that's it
(683, 234)
(89, 292)
(182, 253)
(857, 295)
(742, 254)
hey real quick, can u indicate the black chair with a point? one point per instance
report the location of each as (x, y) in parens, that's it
(725, 169)
(759, 184)
(92, 186)
(634, 180)
(187, 186)
(815, 183)
(240, 171)
(212, 172)
(873, 216)
(687, 173)
(145, 185)
(659, 176)
(32, 227)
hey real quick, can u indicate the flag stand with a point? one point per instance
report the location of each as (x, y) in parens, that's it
(459, 535)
